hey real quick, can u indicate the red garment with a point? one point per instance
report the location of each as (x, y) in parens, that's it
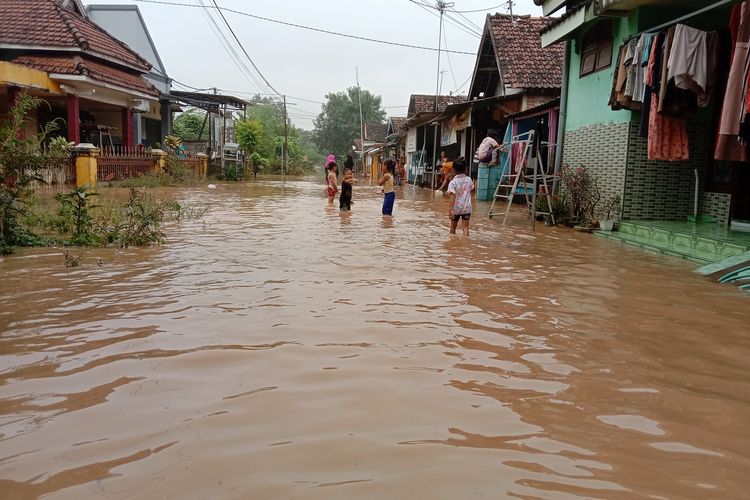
(728, 146)
(667, 136)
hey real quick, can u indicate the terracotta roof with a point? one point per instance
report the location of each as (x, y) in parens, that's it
(75, 65)
(375, 132)
(420, 103)
(523, 62)
(397, 124)
(43, 23)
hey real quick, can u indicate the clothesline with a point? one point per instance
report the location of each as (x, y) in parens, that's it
(684, 18)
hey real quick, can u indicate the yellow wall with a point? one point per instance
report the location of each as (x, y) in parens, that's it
(23, 76)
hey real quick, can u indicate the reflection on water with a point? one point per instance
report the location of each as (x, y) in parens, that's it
(278, 349)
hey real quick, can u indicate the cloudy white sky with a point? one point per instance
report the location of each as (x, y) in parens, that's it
(307, 65)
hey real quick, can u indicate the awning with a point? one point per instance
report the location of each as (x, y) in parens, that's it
(460, 108)
(536, 109)
(208, 102)
(421, 118)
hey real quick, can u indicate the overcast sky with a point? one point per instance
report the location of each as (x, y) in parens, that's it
(308, 65)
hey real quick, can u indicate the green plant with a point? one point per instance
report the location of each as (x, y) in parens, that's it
(21, 159)
(582, 188)
(142, 222)
(560, 210)
(59, 147)
(74, 216)
(612, 206)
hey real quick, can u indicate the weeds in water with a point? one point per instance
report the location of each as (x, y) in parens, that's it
(74, 216)
(71, 261)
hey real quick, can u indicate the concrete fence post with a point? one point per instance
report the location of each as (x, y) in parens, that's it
(85, 156)
(203, 168)
(160, 160)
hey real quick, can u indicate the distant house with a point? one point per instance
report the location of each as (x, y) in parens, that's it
(422, 138)
(374, 147)
(512, 74)
(126, 23)
(92, 81)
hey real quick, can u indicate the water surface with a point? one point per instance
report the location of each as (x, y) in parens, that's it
(277, 349)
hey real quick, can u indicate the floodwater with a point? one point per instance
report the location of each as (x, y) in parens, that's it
(276, 349)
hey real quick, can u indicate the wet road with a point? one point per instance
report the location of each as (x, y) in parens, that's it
(274, 349)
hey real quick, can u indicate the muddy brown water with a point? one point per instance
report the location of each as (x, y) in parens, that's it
(276, 349)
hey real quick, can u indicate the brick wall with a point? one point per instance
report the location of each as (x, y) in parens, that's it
(603, 150)
(661, 189)
(716, 205)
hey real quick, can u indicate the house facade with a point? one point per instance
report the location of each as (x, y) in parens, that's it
(513, 73)
(422, 133)
(126, 23)
(608, 137)
(92, 82)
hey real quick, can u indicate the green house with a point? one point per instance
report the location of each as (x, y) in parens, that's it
(658, 196)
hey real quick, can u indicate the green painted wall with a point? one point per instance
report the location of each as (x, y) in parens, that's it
(588, 96)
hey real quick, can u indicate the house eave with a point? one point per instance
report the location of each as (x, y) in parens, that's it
(91, 53)
(566, 29)
(62, 77)
(551, 6)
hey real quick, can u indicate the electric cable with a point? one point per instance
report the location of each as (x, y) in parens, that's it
(243, 48)
(309, 28)
(480, 10)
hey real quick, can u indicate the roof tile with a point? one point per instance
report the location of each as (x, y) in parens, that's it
(43, 23)
(523, 62)
(75, 65)
(420, 103)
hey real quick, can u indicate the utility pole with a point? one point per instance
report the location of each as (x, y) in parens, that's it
(441, 6)
(361, 120)
(285, 152)
(510, 9)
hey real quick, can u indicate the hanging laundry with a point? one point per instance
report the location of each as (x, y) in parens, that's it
(692, 61)
(728, 146)
(653, 80)
(674, 101)
(630, 64)
(667, 136)
(618, 100)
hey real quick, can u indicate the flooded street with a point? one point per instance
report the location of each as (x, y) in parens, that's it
(277, 350)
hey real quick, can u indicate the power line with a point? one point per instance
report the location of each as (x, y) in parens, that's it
(243, 48)
(472, 23)
(463, 84)
(476, 33)
(450, 64)
(228, 47)
(309, 28)
(430, 9)
(480, 10)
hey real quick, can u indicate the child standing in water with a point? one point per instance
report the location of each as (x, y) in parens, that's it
(345, 198)
(332, 183)
(386, 180)
(460, 189)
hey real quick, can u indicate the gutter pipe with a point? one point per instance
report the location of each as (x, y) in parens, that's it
(561, 119)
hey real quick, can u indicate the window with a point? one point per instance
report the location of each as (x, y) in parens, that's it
(597, 48)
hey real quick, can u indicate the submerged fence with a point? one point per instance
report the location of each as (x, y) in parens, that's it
(118, 163)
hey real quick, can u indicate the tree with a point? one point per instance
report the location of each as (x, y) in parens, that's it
(338, 124)
(188, 125)
(263, 132)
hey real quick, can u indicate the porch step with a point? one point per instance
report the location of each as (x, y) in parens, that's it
(702, 243)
